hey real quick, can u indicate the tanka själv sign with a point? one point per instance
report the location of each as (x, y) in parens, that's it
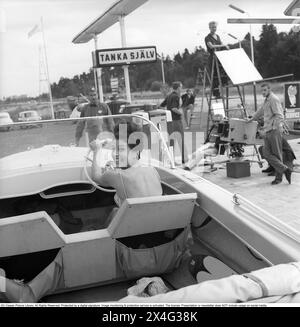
(124, 56)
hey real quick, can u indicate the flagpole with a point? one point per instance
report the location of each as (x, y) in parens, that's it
(47, 70)
(40, 71)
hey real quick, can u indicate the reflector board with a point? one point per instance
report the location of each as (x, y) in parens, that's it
(238, 66)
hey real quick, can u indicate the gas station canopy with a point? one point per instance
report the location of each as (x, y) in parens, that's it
(108, 18)
(293, 9)
(262, 21)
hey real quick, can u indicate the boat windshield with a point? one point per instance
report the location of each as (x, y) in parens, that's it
(141, 135)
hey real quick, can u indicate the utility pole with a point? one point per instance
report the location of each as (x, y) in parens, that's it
(98, 75)
(162, 68)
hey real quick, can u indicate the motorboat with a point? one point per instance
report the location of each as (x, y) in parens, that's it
(50, 206)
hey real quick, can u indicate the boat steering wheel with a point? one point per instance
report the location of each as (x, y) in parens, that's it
(108, 190)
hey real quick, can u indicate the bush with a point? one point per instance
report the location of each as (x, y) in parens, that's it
(156, 86)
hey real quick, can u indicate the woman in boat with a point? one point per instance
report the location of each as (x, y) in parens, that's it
(130, 178)
(45, 283)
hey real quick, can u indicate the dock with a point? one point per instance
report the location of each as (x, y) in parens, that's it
(282, 201)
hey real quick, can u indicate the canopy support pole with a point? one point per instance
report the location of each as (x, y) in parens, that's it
(98, 75)
(126, 70)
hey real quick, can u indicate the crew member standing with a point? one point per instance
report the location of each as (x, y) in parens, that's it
(188, 101)
(94, 126)
(273, 126)
(213, 43)
(172, 102)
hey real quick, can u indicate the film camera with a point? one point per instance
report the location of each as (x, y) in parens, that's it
(237, 133)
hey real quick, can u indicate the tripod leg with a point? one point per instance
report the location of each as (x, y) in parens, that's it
(209, 116)
(260, 163)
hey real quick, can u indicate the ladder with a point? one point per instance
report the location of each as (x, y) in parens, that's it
(217, 72)
(201, 83)
(212, 81)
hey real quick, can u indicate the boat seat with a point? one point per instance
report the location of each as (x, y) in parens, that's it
(138, 216)
(29, 233)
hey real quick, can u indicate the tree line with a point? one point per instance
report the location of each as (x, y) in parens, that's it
(275, 54)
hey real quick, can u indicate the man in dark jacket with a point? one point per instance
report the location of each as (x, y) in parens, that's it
(94, 126)
(172, 102)
(188, 101)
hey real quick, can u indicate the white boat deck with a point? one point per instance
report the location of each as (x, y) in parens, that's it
(282, 201)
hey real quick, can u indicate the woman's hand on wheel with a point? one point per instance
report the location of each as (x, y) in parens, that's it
(97, 144)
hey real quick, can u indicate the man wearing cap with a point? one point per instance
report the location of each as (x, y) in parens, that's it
(94, 126)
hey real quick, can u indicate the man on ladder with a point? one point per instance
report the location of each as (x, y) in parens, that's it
(219, 112)
(213, 43)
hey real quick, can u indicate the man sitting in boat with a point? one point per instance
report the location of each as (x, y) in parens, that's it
(93, 126)
(130, 179)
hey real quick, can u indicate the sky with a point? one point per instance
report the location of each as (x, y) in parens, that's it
(172, 26)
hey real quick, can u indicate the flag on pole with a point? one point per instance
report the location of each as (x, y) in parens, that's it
(35, 29)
